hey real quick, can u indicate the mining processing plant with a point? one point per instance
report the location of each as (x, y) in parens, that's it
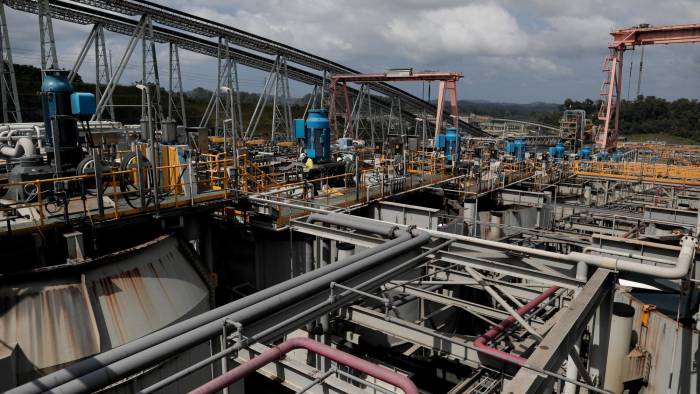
(375, 243)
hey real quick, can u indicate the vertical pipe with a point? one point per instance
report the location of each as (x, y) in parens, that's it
(495, 228)
(619, 347)
(308, 254)
(345, 250)
(587, 195)
(469, 213)
(154, 153)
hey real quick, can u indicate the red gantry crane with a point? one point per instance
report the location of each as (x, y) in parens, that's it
(448, 81)
(625, 39)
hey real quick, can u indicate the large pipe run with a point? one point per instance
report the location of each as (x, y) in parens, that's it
(679, 270)
(277, 352)
(380, 228)
(490, 335)
(187, 326)
(304, 286)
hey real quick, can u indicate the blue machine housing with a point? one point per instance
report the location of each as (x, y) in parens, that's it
(557, 151)
(516, 149)
(584, 154)
(452, 145)
(316, 133)
(83, 105)
(440, 142)
(56, 93)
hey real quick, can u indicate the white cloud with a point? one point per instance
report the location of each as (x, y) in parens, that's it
(475, 29)
(496, 44)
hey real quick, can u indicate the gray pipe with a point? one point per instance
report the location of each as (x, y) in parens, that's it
(119, 369)
(323, 306)
(99, 360)
(23, 147)
(383, 229)
(683, 263)
(681, 268)
(90, 364)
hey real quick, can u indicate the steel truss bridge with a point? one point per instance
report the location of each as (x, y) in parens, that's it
(230, 46)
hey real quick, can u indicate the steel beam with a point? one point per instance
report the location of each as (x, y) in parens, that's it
(49, 59)
(452, 277)
(471, 307)
(194, 24)
(554, 348)
(454, 347)
(509, 269)
(8, 82)
(335, 234)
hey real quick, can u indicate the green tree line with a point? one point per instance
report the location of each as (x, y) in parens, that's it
(644, 115)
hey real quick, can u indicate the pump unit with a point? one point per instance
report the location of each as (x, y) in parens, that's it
(452, 149)
(56, 93)
(584, 154)
(516, 149)
(315, 131)
(557, 151)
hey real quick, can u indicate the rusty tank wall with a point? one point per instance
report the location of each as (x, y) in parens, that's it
(55, 316)
(663, 355)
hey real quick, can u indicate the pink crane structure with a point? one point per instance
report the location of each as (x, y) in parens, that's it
(624, 39)
(448, 81)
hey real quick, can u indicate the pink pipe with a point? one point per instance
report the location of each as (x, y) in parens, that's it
(482, 341)
(277, 352)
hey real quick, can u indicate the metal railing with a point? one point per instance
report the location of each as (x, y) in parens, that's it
(647, 172)
(123, 192)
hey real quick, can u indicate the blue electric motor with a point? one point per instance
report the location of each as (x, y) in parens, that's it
(557, 151)
(56, 93)
(315, 131)
(440, 142)
(584, 154)
(452, 149)
(516, 149)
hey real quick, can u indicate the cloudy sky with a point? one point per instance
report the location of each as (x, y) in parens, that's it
(508, 50)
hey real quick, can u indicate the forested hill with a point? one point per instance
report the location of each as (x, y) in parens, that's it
(645, 115)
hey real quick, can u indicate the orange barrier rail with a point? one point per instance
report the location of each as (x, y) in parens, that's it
(636, 171)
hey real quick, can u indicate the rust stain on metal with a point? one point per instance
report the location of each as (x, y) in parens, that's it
(111, 302)
(50, 324)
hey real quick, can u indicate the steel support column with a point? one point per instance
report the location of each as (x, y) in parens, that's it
(114, 80)
(8, 82)
(49, 59)
(175, 87)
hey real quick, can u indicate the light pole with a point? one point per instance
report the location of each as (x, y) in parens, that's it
(152, 144)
